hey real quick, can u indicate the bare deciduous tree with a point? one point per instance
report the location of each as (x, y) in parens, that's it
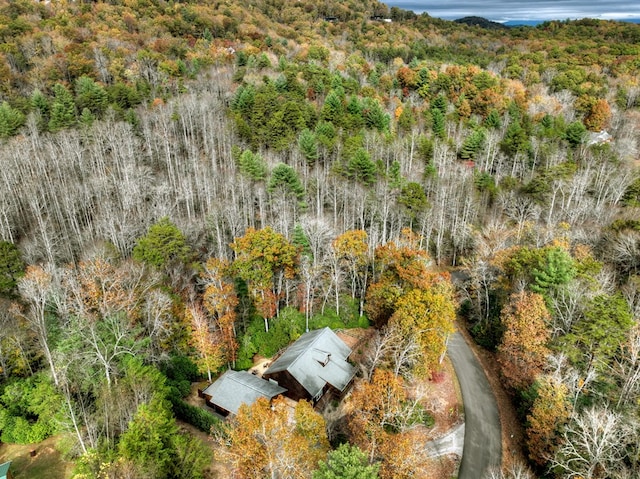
(594, 445)
(37, 288)
(516, 471)
(627, 368)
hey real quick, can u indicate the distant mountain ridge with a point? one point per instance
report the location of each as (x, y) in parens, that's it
(481, 22)
(523, 23)
(533, 23)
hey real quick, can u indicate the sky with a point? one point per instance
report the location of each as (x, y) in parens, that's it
(504, 10)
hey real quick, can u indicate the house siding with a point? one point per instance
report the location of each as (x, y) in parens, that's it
(295, 390)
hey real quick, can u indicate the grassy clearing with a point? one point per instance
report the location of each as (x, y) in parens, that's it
(46, 464)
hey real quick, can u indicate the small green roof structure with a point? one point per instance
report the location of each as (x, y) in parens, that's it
(4, 470)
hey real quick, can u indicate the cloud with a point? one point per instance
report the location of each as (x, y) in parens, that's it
(502, 10)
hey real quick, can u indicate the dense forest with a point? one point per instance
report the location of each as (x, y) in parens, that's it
(187, 184)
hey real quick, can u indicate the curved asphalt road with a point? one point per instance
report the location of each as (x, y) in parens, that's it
(482, 439)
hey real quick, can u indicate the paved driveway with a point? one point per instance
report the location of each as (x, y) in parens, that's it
(450, 443)
(482, 439)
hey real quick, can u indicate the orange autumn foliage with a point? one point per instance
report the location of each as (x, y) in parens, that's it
(599, 116)
(206, 341)
(274, 440)
(550, 410)
(428, 316)
(523, 350)
(220, 301)
(400, 267)
(376, 412)
(263, 257)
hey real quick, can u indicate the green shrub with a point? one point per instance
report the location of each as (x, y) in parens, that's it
(488, 334)
(363, 322)
(39, 431)
(246, 351)
(180, 372)
(245, 354)
(349, 316)
(195, 416)
(181, 367)
(180, 388)
(30, 410)
(421, 416)
(16, 430)
(283, 329)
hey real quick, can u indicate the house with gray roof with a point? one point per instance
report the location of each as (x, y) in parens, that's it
(313, 365)
(599, 138)
(235, 388)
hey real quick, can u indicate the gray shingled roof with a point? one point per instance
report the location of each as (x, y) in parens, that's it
(598, 138)
(234, 388)
(315, 359)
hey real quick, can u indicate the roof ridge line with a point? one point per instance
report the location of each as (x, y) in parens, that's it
(312, 343)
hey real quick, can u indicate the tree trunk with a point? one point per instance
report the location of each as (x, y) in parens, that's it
(74, 420)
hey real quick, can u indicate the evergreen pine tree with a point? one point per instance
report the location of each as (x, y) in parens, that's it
(472, 144)
(10, 120)
(374, 115)
(244, 99)
(437, 122)
(63, 109)
(42, 108)
(90, 95)
(395, 177)
(439, 103)
(308, 145)
(346, 462)
(493, 120)
(515, 140)
(300, 240)
(284, 177)
(333, 109)
(407, 119)
(252, 165)
(413, 199)
(11, 266)
(361, 168)
(326, 134)
(163, 243)
(547, 122)
(40, 102)
(575, 133)
(86, 118)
